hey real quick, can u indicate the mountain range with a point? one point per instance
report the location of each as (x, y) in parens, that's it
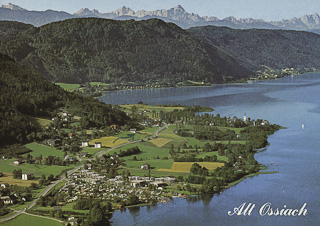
(175, 15)
(93, 49)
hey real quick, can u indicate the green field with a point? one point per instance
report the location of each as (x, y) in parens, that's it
(99, 84)
(132, 136)
(148, 152)
(150, 130)
(38, 170)
(236, 130)
(219, 157)
(27, 220)
(67, 207)
(45, 151)
(68, 87)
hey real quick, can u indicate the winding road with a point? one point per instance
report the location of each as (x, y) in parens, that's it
(49, 187)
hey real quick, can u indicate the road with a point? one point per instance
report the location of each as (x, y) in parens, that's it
(49, 187)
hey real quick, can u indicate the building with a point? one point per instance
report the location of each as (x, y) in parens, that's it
(27, 176)
(8, 199)
(133, 130)
(244, 117)
(4, 185)
(113, 126)
(84, 144)
(17, 162)
(145, 166)
(97, 144)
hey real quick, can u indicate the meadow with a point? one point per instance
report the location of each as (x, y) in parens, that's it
(8, 178)
(38, 170)
(68, 87)
(44, 150)
(111, 141)
(27, 220)
(184, 167)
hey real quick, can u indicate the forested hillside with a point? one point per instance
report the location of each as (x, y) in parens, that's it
(274, 48)
(25, 93)
(91, 49)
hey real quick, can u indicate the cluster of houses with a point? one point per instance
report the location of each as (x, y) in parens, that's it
(13, 197)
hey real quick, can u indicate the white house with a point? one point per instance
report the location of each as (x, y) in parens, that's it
(27, 176)
(133, 130)
(84, 144)
(97, 144)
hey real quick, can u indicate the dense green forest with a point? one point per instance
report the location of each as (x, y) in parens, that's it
(91, 49)
(274, 48)
(25, 93)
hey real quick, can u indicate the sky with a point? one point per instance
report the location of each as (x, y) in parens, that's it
(257, 9)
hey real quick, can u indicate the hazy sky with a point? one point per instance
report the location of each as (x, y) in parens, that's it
(258, 9)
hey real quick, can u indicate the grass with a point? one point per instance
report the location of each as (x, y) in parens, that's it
(68, 87)
(42, 122)
(38, 170)
(169, 134)
(27, 220)
(160, 141)
(154, 164)
(67, 207)
(150, 130)
(91, 151)
(45, 151)
(8, 178)
(219, 157)
(99, 83)
(148, 152)
(132, 136)
(236, 130)
(185, 167)
(109, 141)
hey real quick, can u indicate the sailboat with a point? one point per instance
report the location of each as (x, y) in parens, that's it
(302, 126)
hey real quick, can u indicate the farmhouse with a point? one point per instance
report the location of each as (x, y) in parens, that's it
(4, 185)
(113, 126)
(17, 162)
(27, 176)
(84, 144)
(8, 199)
(145, 166)
(133, 130)
(97, 144)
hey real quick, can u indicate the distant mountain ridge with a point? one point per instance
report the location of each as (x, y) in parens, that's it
(176, 15)
(94, 49)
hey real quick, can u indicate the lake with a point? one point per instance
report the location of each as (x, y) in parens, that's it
(295, 152)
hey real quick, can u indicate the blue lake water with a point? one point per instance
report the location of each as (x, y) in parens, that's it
(290, 102)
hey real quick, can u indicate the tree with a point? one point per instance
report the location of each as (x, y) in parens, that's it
(17, 174)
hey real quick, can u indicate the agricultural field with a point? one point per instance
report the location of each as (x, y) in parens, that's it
(99, 84)
(236, 130)
(38, 170)
(169, 134)
(42, 122)
(45, 151)
(219, 157)
(109, 141)
(160, 142)
(132, 136)
(150, 130)
(8, 178)
(68, 87)
(148, 152)
(184, 167)
(27, 220)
